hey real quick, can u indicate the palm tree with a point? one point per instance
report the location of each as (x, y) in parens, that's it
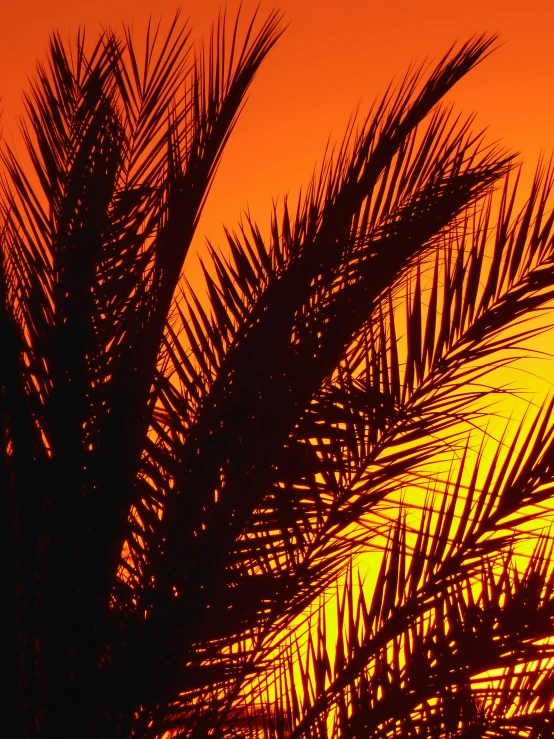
(186, 476)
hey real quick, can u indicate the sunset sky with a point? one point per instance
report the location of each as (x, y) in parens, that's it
(332, 57)
(180, 483)
(335, 57)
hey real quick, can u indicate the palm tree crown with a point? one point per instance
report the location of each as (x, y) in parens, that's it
(186, 475)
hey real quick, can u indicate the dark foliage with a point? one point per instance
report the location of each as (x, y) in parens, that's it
(187, 477)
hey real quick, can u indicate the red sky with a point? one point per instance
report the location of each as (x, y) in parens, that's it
(332, 57)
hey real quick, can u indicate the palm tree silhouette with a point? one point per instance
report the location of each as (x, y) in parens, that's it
(185, 477)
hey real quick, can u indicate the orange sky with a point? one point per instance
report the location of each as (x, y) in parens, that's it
(332, 57)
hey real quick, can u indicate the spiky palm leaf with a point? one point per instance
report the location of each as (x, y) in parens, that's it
(456, 638)
(123, 155)
(373, 403)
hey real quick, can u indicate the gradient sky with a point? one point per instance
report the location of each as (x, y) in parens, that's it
(332, 57)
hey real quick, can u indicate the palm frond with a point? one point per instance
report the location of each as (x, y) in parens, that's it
(283, 317)
(457, 569)
(94, 239)
(464, 660)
